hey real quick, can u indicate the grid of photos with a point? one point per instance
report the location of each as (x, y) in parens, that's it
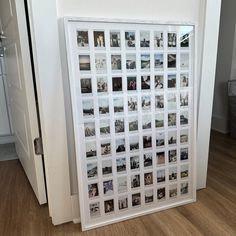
(135, 100)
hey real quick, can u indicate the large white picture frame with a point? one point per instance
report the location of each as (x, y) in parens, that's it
(134, 95)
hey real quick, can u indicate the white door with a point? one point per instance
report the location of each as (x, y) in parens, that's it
(21, 92)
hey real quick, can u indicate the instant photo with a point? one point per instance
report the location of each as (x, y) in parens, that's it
(159, 81)
(173, 191)
(116, 62)
(82, 38)
(135, 181)
(184, 188)
(158, 40)
(160, 139)
(91, 149)
(130, 62)
(148, 195)
(159, 101)
(102, 84)
(104, 127)
(109, 206)
(132, 104)
(120, 145)
(159, 61)
(100, 63)
(161, 194)
(160, 158)
(133, 123)
(84, 63)
(184, 118)
(171, 119)
(123, 203)
(105, 147)
(146, 103)
(184, 136)
(131, 83)
(107, 167)
(144, 39)
(172, 156)
(99, 39)
(92, 170)
(184, 171)
(119, 125)
(86, 86)
(134, 143)
(103, 106)
(145, 61)
(136, 199)
(184, 40)
(108, 187)
(121, 165)
(172, 40)
(94, 209)
(172, 137)
(145, 82)
(184, 61)
(114, 39)
(147, 160)
(93, 190)
(147, 141)
(148, 178)
(159, 120)
(172, 101)
(130, 39)
(134, 163)
(161, 176)
(172, 81)
(173, 173)
(184, 80)
(118, 104)
(171, 58)
(122, 184)
(184, 154)
(184, 99)
(89, 129)
(147, 122)
(117, 84)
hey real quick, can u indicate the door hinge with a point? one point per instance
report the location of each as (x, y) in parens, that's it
(38, 146)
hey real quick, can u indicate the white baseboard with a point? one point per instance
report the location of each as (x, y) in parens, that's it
(75, 208)
(220, 124)
(7, 139)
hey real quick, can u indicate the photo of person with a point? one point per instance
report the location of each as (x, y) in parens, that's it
(172, 40)
(172, 101)
(173, 173)
(146, 103)
(184, 154)
(84, 63)
(161, 176)
(121, 164)
(171, 119)
(184, 171)
(103, 106)
(120, 145)
(107, 167)
(130, 39)
(130, 62)
(183, 136)
(160, 139)
(147, 122)
(105, 148)
(184, 61)
(148, 178)
(184, 99)
(91, 149)
(93, 190)
(135, 181)
(158, 40)
(136, 199)
(147, 159)
(100, 63)
(102, 84)
(122, 184)
(171, 58)
(114, 39)
(134, 163)
(161, 193)
(123, 202)
(159, 120)
(88, 108)
(131, 83)
(144, 39)
(147, 141)
(115, 62)
(183, 117)
(82, 38)
(159, 61)
(92, 170)
(116, 84)
(172, 81)
(109, 206)
(184, 80)
(145, 82)
(89, 129)
(86, 85)
(172, 154)
(108, 187)
(173, 191)
(99, 39)
(119, 125)
(184, 40)
(94, 209)
(172, 137)
(160, 158)
(118, 104)
(145, 61)
(148, 196)
(184, 188)
(132, 103)
(133, 123)
(134, 143)
(104, 127)
(159, 102)
(159, 81)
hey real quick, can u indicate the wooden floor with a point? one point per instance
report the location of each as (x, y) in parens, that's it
(213, 214)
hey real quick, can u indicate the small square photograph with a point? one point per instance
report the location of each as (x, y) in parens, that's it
(171, 58)
(144, 39)
(108, 187)
(91, 149)
(131, 83)
(183, 117)
(92, 170)
(159, 61)
(134, 143)
(130, 61)
(136, 199)
(148, 178)
(184, 154)
(184, 171)
(105, 148)
(104, 127)
(103, 106)
(121, 164)
(159, 101)
(100, 63)
(145, 82)
(172, 155)
(159, 120)
(158, 40)
(130, 39)
(172, 137)
(82, 38)
(184, 188)
(173, 173)
(99, 39)
(116, 62)
(183, 136)
(102, 84)
(147, 141)
(123, 202)
(118, 105)
(132, 103)
(120, 125)
(122, 184)
(116, 84)
(89, 129)
(94, 209)
(120, 145)
(184, 80)
(159, 81)
(109, 206)
(172, 81)
(161, 193)
(148, 196)
(93, 190)
(160, 139)
(147, 122)
(107, 167)
(146, 103)
(115, 39)
(184, 40)
(184, 99)
(184, 61)
(161, 176)
(133, 124)
(172, 40)
(134, 163)
(86, 85)
(172, 101)
(145, 61)
(171, 119)
(160, 158)
(147, 160)
(84, 63)
(135, 181)
(173, 191)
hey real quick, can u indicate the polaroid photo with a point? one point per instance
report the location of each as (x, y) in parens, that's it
(133, 124)
(120, 145)
(131, 83)
(116, 84)
(115, 41)
(172, 119)
(121, 165)
(134, 143)
(102, 85)
(183, 118)
(123, 202)
(84, 63)
(148, 196)
(158, 40)
(135, 181)
(119, 125)
(171, 81)
(159, 120)
(184, 61)
(94, 209)
(173, 173)
(160, 139)
(184, 80)
(160, 157)
(145, 61)
(93, 190)
(122, 184)
(184, 154)
(89, 129)
(132, 104)
(99, 39)
(109, 206)
(158, 61)
(82, 39)
(144, 39)
(171, 99)
(146, 103)
(104, 127)
(130, 39)
(147, 122)
(184, 40)
(173, 191)
(100, 63)
(172, 156)
(103, 106)
(130, 62)
(92, 170)
(159, 81)
(172, 137)
(148, 178)
(161, 176)
(159, 102)
(184, 99)
(184, 188)
(107, 167)
(134, 163)
(172, 40)
(118, 104)
(116, 62)
(184, 136)
(91, 149)
(171, 59)
(147, 160)
(161, 194)
(184, 170)
(136, 199)
(108, 187)
(147, 141)
(86, 85)
(105, 147)
(145, 82)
